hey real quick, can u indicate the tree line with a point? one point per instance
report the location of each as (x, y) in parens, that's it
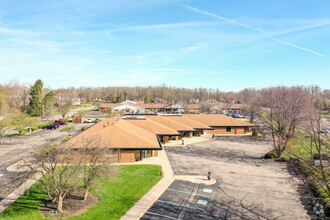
(38, 100)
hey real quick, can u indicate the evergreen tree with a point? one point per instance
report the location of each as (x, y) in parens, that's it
(48, 102)
(146, 99)
(325, 104)
(36, 100)
(125, 96)
(119, 99)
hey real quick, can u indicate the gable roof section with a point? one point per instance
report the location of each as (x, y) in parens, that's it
(117, 133)
(189, 122)
(154, 127)
(170, 123)
(128, 106)
(216, 120)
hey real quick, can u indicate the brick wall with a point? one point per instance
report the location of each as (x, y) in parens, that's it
(223, 130)
(127, 156)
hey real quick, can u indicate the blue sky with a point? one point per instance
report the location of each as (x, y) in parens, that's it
(222, 44)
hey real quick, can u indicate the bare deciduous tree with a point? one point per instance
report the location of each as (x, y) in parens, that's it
(59, 168)
(56, 166)
(95, 161)
(283, 108)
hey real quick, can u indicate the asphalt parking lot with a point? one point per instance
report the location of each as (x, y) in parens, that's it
(247, 186)
(186, 200)
(16, 148)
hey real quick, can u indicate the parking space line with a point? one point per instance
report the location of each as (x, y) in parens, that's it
(151, 213)
(202, 202)
(180, 191)
(207, 190)
(187, 206)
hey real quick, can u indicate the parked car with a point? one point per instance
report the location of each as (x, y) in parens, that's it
(60, 122)
(51, 126)
(97, 120)
(324, 130)
(89, 120)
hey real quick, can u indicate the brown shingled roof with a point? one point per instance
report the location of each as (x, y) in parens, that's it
(170, 123)
(109, 105)
(118, 133)
(154, 127)
(189, 122)
(217, 120)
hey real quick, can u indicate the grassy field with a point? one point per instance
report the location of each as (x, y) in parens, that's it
(116, 196)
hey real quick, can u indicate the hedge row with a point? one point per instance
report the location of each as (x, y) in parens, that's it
(84, 128)
(44, 124)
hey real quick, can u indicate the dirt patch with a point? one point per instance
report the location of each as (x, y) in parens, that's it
(73, 204)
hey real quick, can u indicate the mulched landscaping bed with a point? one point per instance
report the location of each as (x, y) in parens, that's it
(73, 204)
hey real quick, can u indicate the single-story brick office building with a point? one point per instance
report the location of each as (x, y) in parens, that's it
(222, 124)
(131, 138)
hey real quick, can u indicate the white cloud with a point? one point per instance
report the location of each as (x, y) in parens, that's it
(232, 21)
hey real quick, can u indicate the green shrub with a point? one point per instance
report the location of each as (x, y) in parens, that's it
(255, 132)
(84, 128)
(270, 154)
(44, 124)
(34, 128)
(284, 158)
(66, 139)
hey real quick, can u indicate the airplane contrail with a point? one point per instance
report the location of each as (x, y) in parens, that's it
(248, 27)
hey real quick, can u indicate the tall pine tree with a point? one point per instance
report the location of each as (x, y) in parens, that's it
(36, 99)
(119, 99)
(146, 99)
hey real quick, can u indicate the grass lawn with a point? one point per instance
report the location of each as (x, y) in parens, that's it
(82, 105)
(15, 133)
(116, 196)
(82, 112)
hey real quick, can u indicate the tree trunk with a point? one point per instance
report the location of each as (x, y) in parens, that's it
(86, 193)
(60, 205)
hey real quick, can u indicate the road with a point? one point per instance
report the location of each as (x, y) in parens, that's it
(71, 112)
(16, 148)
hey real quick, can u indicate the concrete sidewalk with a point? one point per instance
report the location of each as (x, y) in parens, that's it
(188, 141)
(142, 206)
(5, 203)
(196, 179)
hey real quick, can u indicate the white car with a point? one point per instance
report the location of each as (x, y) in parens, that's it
(89, 120)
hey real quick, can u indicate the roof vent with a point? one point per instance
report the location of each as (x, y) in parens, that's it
(134, 118)
(164, 114)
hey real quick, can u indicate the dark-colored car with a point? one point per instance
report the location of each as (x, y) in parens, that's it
(51, 126)
(324, 130)
(60, 122)
(97, 120)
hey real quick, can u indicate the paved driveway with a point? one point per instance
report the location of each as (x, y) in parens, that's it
(17, 148)
(247, 187)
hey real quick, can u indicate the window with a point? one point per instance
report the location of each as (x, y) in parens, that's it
(228, 129)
